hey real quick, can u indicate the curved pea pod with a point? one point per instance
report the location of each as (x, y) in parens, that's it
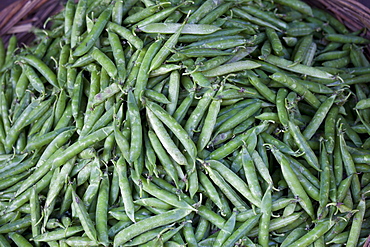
(22, 120)
(236, 142)
(319, 117)
(242, 230)
(356, 226)
(161, 194)
(80, 241)
(82, 144)
(226, 231)
(125, 189)
(38, 111)
(261, 22)
(238, 118)
(174, 126)
(347, 38)
(337, 63)
(33, 78)
(308, 153)
(81, 212)
(234, 180)
(159, 16)
(58, 234)
(204, 9)
(349, 165)
(126, 34)
(19, 240)
(78, 22)
(266, 208)
(155, 96)
(296, 87)
(293, 182)
(363, 104)
(228, 190)
(104, 61)
(231, 67)
(265, 15)
(165, 69)
(143, 13)
(40, 66)
(3, 241)
(297, 68)
(210, 121)
(95, 32)
(165, 139)
(170, 28)
(148, 236)
(105, 94)
(165, 50)
(250, 170)
(149, 223)
(136, 127)
(118, 55)
(319, 230)
(16, 225)
(299, 31)
(300, 6)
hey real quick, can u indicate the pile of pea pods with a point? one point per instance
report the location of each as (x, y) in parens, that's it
(186, 123)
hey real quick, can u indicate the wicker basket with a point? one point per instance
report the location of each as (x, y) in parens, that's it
(350, 12)
(20, 17)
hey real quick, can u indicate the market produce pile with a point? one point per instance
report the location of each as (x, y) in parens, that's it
(186, 123)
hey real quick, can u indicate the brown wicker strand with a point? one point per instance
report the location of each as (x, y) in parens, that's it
(22, 16)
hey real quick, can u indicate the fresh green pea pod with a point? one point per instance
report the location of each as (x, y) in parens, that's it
(119, 57)
(19, 240)
(143, 13)
(236, 182)
(205, 8)
(165, 50)
(159, 16)
(33, 78)
(347, 38)
(170, 28)
(261, 22)
(42, 67)
(300, 6)
(174, 126)
(320, 114)
(293, 182)
(149, 223)
(126, 34)
(166, 140)
(243, 229)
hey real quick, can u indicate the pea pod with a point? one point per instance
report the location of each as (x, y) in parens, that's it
(152, 222)
(170, 28)
(293, 182)
(94, 34)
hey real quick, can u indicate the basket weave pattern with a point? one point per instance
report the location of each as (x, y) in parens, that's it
(20, 17)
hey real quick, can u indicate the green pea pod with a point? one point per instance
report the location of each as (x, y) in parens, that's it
(293, 182)
(174, 126)
(319, 230)
(150, 223)
(95, 32)
(41, 66)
